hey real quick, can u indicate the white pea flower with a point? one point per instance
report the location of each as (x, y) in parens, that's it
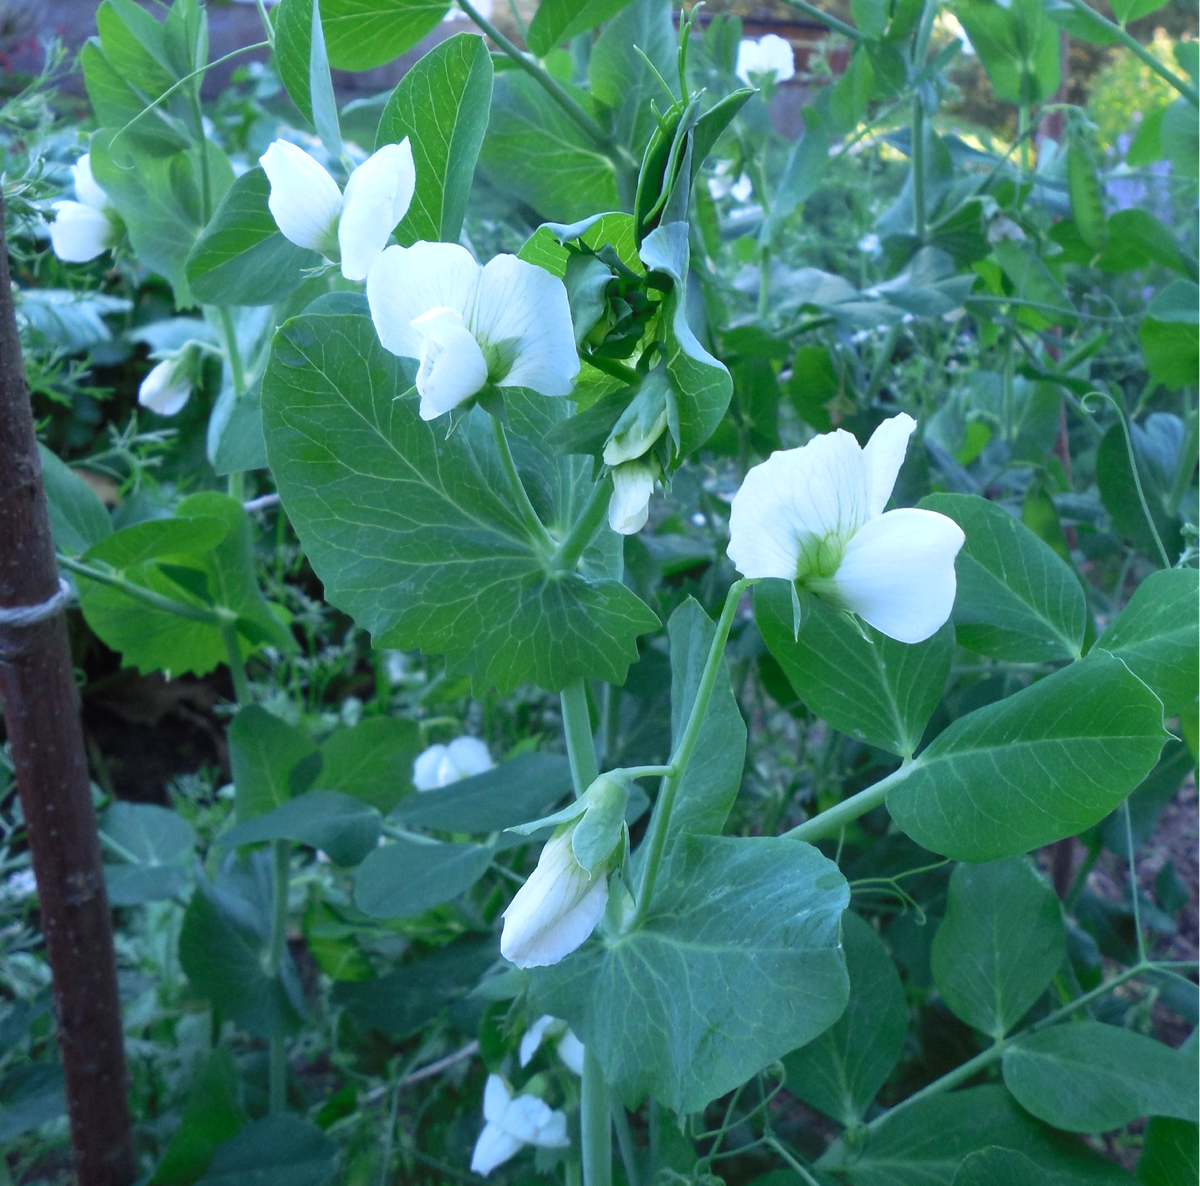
(351, 228)
(570, 1051)
(570, 1048)
(84, 229)
(23, 884)
(512, 1123)
(814, 515)
(771, 57)
(869, 244)
(440, 765)
(633, 485)
(507, 323)
(168, 386)
(555, 911)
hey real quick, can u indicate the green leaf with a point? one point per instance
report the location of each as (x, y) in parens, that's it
(372, 761)
(624, 82)
(1157, 636)
(211, 1115)
(926, 1143)
(994, 1166)
(1017, 45)
(1045, 302)
(537, 153)
(1169, 1152)
(737, 963)
(78, 519)
(408, 877)
(701, 383)
(441, 105)
(711, 782)
(160, 200)
(557, 21)
(242, 258)
(405, 1000)
(320, 86)
(1089, 1077)
(344, 828)
(803, 173)
(274, 1151)
(999, 945)
(417, 537)
(868, 686)
(1042, 764)
(515, 792)
(363, 34)
(1170, 335)
(155, 847)
(841, 1072)
(235, 437)
(222, 946)
(1132, 10)
(263, 753)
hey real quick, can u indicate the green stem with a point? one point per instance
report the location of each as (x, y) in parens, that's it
(830, 823)
(237, 372)
(764, 283)
(617, 152)
(537, 530)
(585, 527)
(625, 1144)
(114, 580)
(577, 728)
(830, 22)
(233, 656)
(611, 366)
(281, 859)
(1132, 44)
(595, 1132)
(920, 224)
(660, 820)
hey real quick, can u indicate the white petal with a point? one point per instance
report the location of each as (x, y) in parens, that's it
(406, 282)
(534, 1122)
(749, 60)
(426, 768)
(522, 313)
(305, 200)
(532, 1038)
(570, 1050)
(79, 233)
(885, 455)
(555, 910)
(87, 188)
(452, 366)
(777, 57)
(166, 388)
(795, 499)
(898, 573)
(469, 756)
(377, 197)
(629, 506)
(741, 189)
(496, 1098)
(494, 1147)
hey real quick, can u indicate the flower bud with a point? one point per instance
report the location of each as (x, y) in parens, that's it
(168, 386)
(633, 485)
(80, 232)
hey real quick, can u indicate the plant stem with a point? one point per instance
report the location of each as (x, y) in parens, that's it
(595, 1133)
(625, 1144)
(830, 823)
(237, 372)
(618, 153)
(920, 226)
(612, 366)
(537, 530)
(197, 613)
(281, 858)
(828, 21)
(233, 654)
(660, 820)
(1135, 47)
(585, 527)
(577, 728)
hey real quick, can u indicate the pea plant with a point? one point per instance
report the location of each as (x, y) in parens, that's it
(773, 563)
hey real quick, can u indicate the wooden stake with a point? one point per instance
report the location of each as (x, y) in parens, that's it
(41, 716)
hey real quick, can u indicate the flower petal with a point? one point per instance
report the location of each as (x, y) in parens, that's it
(521, 311)
(378, 194)
(629, 506)
(555, 910)
(87, 188)
(532, 1038)
(794, 499)
(469, 756)
(406, 282)
(494, 1147)
(166, 388)
(496, 1098)
(426, 768)
(452, 366)
(777, 57)
(305, 200)
(533, 1121)
(897, 573)
(885, 455)
(79, 233)
(570, 1050)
